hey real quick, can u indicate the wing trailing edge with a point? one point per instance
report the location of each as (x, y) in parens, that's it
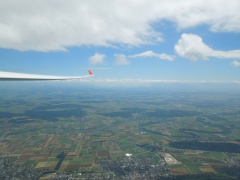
(32, 77)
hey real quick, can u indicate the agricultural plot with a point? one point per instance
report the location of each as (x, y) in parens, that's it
(184, 133)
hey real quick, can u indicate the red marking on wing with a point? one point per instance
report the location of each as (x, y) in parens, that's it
(90, 72)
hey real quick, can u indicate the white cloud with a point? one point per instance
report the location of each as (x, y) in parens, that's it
(236, 63)
(53, 25)
(192, 47)
(101, 81)
(97, 59)
(121, 59)
(162, 56)
(226, 54)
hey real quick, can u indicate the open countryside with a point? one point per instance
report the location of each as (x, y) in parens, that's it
(111, 133)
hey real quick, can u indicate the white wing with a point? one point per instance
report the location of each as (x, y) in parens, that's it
(22, 76)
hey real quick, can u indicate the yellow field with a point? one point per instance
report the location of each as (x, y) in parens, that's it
(206, 169)
(179, 171)
(47, 165)
(190, 152)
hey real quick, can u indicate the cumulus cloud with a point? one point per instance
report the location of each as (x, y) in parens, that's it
(236, 63)
(191, 46)
(97, 59)
(121, 59)
(55, 25)
(146, 54)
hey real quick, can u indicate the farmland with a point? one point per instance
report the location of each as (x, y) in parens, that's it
(86, 132)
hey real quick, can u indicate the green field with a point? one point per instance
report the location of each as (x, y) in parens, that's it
(90, 126)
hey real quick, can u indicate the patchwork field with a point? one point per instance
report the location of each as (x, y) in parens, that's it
(184, 132)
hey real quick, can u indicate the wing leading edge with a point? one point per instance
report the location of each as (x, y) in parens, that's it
(28, 77)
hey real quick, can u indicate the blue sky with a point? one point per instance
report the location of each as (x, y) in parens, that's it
(147, 40)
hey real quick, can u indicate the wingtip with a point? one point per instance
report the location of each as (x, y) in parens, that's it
(90, 73)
